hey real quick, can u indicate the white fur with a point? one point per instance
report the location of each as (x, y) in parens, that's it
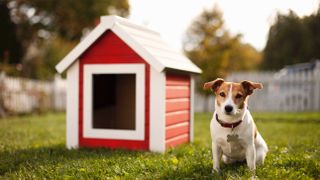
(249, 148)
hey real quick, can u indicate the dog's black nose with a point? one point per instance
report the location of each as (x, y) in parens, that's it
(228, 108)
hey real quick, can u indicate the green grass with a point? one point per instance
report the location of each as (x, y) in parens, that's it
(33, 147)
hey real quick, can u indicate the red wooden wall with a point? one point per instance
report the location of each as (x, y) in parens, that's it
(110, 49)
(177, 109)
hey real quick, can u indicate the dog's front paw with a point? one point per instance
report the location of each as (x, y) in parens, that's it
(215, 170)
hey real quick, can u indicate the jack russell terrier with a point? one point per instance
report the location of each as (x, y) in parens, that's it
(234, 134)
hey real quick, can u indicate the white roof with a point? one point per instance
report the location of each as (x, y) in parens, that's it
(145, 42)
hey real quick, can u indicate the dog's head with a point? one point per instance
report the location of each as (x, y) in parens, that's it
(231, 98)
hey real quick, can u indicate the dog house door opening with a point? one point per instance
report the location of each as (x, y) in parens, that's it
(114, 101)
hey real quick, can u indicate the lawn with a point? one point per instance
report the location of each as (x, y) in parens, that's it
(33, 147)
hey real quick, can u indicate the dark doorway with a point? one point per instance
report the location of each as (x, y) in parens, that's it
(114, 101)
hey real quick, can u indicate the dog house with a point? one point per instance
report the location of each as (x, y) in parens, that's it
(127, 89)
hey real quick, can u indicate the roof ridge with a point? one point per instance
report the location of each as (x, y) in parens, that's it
(130, 34)
(126, 22)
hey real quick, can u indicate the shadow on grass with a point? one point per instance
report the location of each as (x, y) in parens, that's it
(33, 158)
(11, 161)
(237, 170)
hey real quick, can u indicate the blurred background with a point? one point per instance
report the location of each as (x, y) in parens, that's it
(276, 43)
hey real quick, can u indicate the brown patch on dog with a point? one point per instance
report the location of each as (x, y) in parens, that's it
(249, 86)
(239, 95)
(222, 92)
(213, 85)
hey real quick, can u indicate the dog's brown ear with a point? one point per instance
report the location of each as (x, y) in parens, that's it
(249, 86)
(213, 85)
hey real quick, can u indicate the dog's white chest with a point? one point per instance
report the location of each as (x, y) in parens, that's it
(232, 142)
(234, 148)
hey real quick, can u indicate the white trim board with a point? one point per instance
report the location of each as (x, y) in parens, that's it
(88, 130)
(157, 111)
(72, 129)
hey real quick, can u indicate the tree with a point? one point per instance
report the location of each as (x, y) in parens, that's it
(313, 23)
(67, 18)
(39, 22)
(292, 40)
(209, 45)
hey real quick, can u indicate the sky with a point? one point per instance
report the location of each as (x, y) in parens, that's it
(251, 18)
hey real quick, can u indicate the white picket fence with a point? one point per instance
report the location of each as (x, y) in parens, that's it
(291, 92)
(20, 95)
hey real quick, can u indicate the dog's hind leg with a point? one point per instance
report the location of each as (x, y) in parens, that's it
(260, 156)
(261, 149)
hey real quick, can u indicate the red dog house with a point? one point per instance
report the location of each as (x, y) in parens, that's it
(127, 89)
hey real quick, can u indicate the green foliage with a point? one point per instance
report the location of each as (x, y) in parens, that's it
(214, 50)
(33, 147)
(67, 18)
(39, 22)
(42, 65)
(292, 40)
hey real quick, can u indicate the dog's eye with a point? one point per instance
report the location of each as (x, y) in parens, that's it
(238, 96)
(222, 94)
